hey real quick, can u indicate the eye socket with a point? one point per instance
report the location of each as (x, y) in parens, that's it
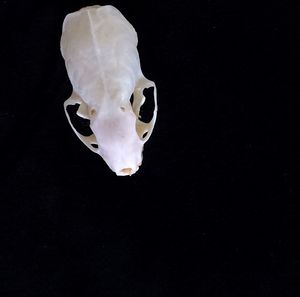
(146, 111)
(80, 124)
(122, 108)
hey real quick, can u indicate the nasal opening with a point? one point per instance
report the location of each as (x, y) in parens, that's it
(126, 171)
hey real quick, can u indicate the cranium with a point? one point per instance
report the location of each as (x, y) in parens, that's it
(102, 61)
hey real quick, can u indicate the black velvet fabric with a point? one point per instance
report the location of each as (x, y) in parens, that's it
(214, 209)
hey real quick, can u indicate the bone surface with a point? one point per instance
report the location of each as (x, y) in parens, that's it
(99, 47)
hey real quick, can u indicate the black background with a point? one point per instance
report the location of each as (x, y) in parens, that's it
(214, 209)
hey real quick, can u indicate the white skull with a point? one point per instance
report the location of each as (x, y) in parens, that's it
(102, 61)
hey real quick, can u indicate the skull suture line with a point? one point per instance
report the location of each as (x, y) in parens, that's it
(102, 61)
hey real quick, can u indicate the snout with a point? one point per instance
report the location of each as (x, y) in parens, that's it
(122, 162)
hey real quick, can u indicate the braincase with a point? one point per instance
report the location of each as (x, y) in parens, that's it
(95, 28)
(104, 43)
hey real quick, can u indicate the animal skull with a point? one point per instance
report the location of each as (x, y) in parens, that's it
(102, 61)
